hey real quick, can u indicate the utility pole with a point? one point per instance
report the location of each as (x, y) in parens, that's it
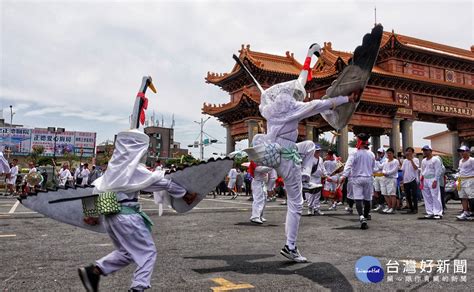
(201, 140)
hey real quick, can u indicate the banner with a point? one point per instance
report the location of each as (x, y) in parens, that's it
(16, 139)
(64, 142)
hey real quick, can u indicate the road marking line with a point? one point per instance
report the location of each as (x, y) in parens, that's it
(12, 210)
(7, 235)
(227, 201)
(226, 285)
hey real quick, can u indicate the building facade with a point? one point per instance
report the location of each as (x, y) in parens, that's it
(412, 80)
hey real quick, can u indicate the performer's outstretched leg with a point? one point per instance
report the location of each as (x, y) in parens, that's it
(291, 174)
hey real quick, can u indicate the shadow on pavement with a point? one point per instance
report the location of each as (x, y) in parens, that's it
(256, 225)
(324, 274)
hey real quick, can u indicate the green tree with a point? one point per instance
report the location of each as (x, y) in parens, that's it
(326, 145)
(38, 150)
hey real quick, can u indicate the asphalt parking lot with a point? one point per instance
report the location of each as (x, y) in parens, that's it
(216, 248)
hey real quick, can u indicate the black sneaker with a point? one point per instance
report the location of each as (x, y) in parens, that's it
(293, 255)
(89, 279)
(136, 290)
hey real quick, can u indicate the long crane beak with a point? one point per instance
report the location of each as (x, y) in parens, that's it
(151, 86)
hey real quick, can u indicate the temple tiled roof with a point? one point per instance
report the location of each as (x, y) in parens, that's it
(272, 63)
(428, 46)
(245, 98)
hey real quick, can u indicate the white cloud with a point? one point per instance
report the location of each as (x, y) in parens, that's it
(83, 60)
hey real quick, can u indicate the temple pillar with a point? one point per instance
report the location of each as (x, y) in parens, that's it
(375, 141)
(407, 134)
(455, 147)
(230, 143)
(316, 133)
(252, 127)
(395, 136)
(310, 132)
(343, 143)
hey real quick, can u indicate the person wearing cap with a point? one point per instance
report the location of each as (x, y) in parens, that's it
(388, 184)
(410, 179)
(359, 169)
(378, 176)
(317, 173)
(431, 169)
(465, 182)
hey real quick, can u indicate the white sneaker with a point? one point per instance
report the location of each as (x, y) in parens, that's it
(293, 255)
(378, 208)
(390, 211)
(263, 219)
(349, 210)
(385, 210)
(310, 212)
(339, 203)
(256, 221)
(464, 217)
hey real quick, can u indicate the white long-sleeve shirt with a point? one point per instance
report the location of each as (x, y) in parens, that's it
(390, 168)
(64, 176)
(466, 168)
(319, 172)
(409, 172)
(360, 164)
(282, 126)
(431, 168)
(13, 175)
(379, 165)
(4, 166)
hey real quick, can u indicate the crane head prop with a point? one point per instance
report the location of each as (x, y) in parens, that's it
(141, 103)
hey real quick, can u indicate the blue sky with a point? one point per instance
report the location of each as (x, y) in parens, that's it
(78, 64)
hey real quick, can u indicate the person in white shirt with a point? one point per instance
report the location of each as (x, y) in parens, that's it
(32, 167)
(11, 181)
(65, 175)
(232, 175)
(378, 176)
(410, 168)
(430, 172)
(317, 173)
(259, 192)
(359, 169)
(272, 176)
(465, 182)
(388, 184)
(332, 181)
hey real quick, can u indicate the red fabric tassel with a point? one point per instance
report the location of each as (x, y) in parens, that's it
(252, 167)
(307, 64)
(144, 106)
(361, 144)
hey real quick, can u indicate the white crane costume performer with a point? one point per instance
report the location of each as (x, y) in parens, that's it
(283, 107)
(130, 228)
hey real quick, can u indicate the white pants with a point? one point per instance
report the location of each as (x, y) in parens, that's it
(259, 194)
(231, 184)
(291, 174)
(362, 188)
(432, 198)
(133, 243)
(314, 201)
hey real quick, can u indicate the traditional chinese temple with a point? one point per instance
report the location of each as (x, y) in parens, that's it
(413, 80)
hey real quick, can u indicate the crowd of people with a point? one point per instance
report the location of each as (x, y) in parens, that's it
(17, 183)
(392, 183)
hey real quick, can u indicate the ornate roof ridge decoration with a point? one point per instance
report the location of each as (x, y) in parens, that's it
(391, 39)
(286, 64)
(245, 98)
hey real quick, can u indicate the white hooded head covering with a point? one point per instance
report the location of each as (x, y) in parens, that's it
(280, 98)
(124, 172)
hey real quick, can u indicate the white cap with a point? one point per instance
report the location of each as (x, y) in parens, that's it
(381, 150)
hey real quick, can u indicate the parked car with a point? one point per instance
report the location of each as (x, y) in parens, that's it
(451, 189)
